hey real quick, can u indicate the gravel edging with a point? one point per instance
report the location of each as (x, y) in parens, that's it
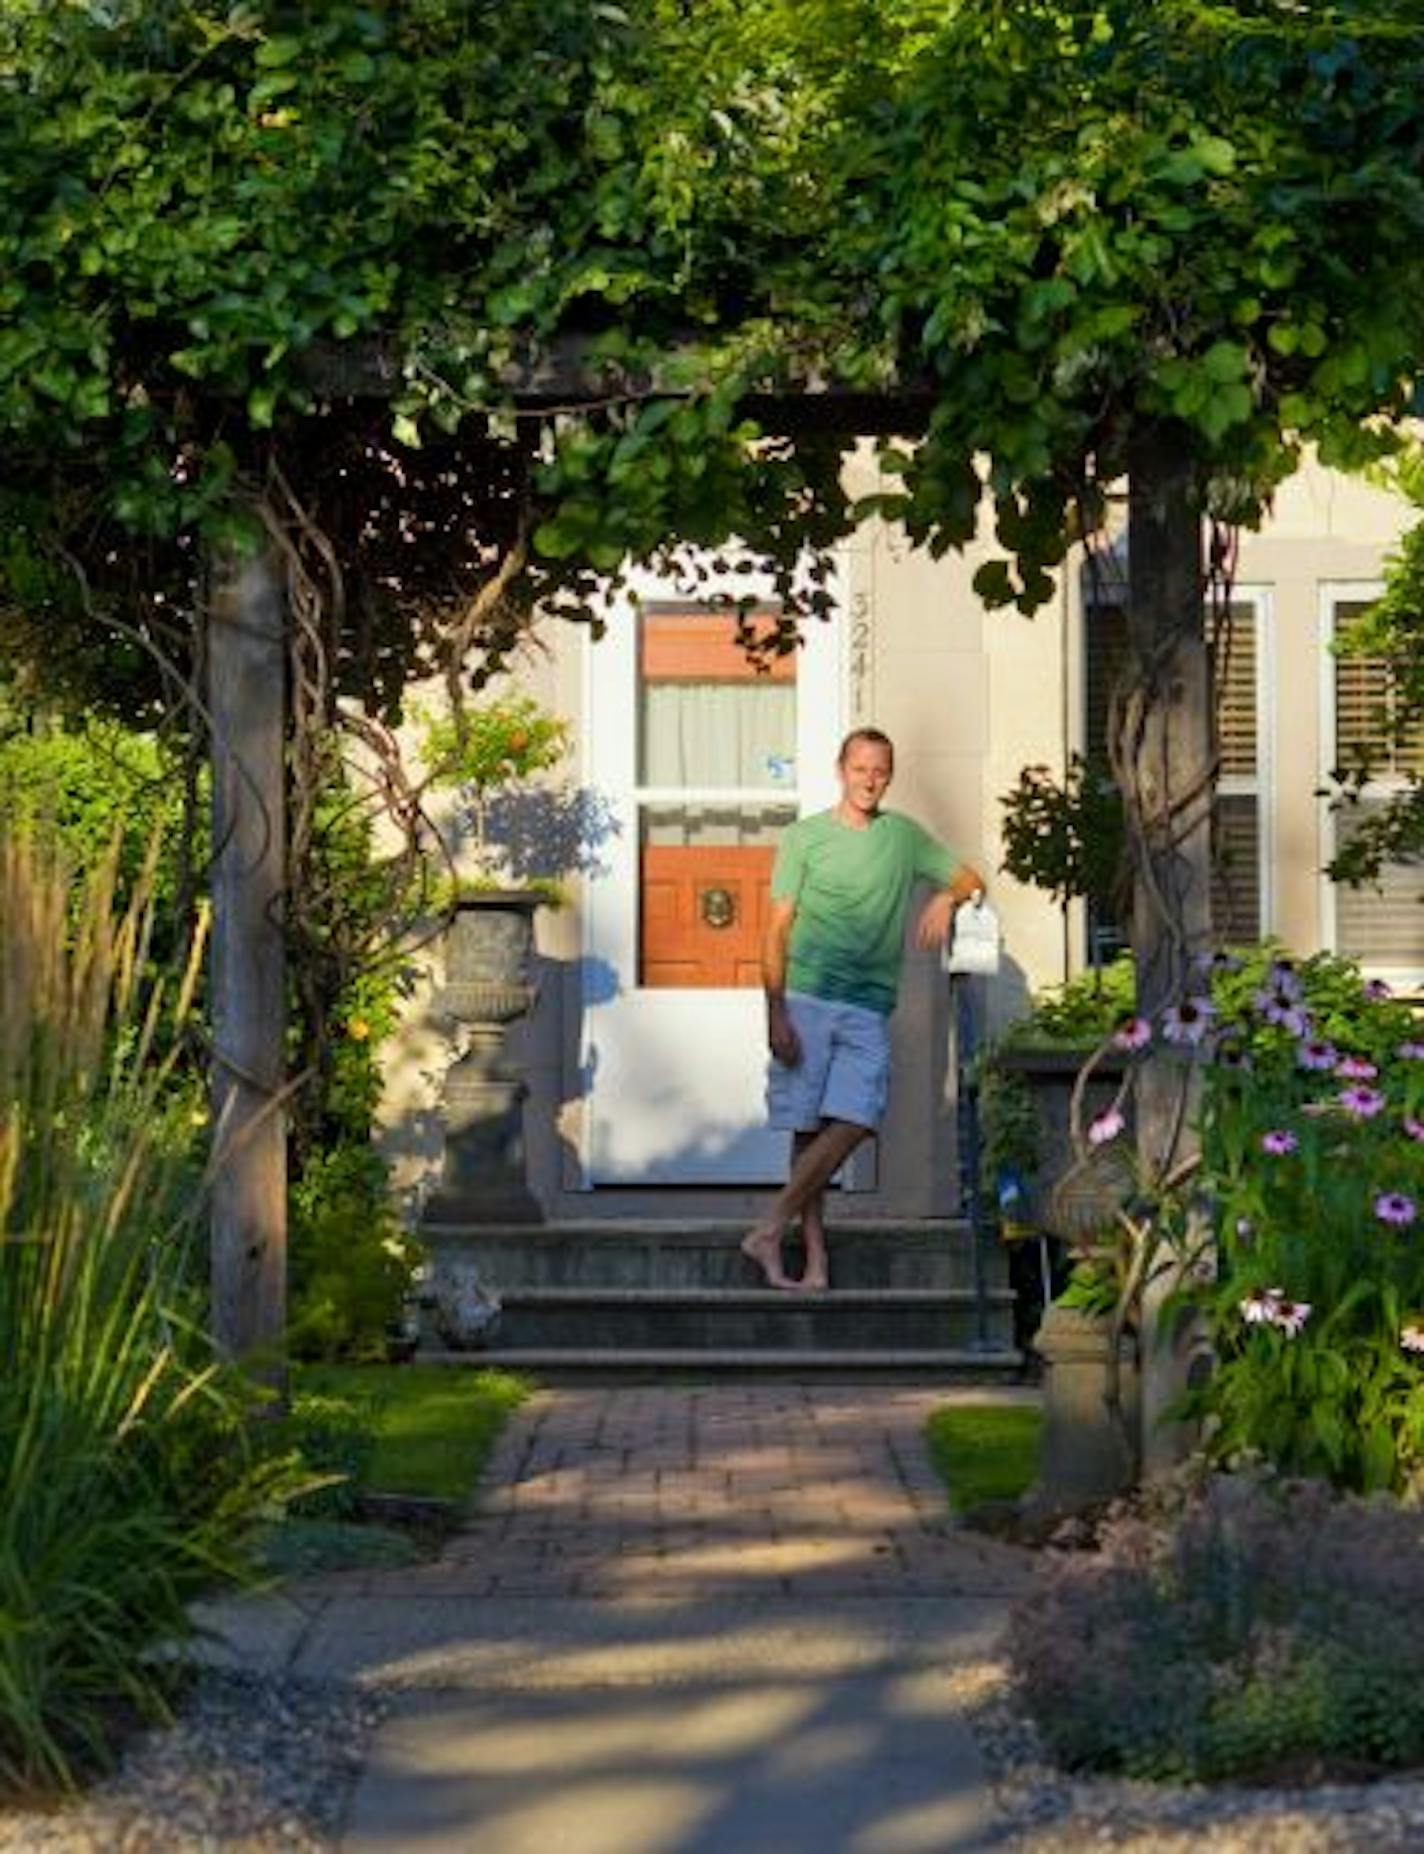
(1046, 1811)
(250, 1763)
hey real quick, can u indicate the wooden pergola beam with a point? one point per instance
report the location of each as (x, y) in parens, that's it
(573, 375)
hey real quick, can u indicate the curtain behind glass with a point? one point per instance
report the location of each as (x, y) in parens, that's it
(700, 734)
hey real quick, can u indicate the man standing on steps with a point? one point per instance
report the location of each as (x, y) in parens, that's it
(840, 892)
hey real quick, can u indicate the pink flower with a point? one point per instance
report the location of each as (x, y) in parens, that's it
(1106, 1127)
(1189, 1021)
(1269, 1307)
(1317, 1056)
(1412, 1337)
(1363, 1103)
(1376, 989)
(1411, 1052)
(1292, 1317)
(1278, 1142)
(1414, 1128)
(1355, 1068)
(1395, 1207)
(1133, 1033)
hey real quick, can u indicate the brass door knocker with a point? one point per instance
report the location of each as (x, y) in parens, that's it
(717, 907)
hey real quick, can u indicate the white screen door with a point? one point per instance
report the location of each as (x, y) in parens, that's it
(705, 762)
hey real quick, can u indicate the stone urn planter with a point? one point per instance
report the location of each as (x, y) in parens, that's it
(1067, 1199)
(487, 987)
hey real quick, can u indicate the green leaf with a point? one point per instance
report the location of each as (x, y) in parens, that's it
(1224, 361)
(283, 49)
(993, 583)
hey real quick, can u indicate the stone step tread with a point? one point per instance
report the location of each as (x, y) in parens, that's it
(747, 1297)
(731, 1358)
(692, 1232)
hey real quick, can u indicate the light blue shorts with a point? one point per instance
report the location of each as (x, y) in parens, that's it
(844, 1071)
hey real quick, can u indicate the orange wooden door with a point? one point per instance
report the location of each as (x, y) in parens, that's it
(703, 910)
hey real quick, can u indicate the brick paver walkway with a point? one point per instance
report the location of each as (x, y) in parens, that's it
(719, 1490)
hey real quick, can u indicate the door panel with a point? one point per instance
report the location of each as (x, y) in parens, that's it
(703, 914)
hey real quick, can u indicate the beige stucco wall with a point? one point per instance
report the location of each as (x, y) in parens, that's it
(970, 698)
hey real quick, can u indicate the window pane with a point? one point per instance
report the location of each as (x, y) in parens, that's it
(1236, 869)
(708, 714)
(1364, 709)
(718, 734)
(1384, 925)
(1236, 691)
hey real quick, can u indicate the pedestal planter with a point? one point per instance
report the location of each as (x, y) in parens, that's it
(488, 952)
(1086, 1456)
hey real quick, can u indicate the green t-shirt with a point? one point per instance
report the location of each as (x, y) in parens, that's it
(852, 888)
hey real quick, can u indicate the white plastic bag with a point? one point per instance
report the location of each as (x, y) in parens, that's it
(975, 943)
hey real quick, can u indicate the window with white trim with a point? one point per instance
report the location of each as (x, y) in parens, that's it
(1239, 897)
(1381, 924)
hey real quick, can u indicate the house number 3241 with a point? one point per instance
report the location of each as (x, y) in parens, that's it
(860, 694)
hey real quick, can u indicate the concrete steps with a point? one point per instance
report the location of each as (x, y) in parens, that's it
(662, 1294)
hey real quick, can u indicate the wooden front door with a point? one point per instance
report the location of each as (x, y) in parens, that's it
(706, 759)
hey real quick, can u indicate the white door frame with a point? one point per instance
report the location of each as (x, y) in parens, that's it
(684, 1067)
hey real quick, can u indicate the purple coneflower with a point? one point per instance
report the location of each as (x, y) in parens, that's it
(1262, 1307)
(1106, 1127)
(1363, 1103)
(1376, 989)
(1411, 1052)
(1395, 1207)
(1317, 1055)
(1281, 975)
(1414, 1128)
(1282, 1006)
(1292, 1316)
(1278, 1142)
(1133, 1033)
(1355, 1068)
(1189, 1021)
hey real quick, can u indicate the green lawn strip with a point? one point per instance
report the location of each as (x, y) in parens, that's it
(433, 1427)
(984, 1451)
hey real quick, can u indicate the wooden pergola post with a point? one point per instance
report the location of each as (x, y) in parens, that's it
(247, 704)
(1166, 752)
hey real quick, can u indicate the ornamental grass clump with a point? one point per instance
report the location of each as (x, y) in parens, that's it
(126, 1487)
(1268, 1631)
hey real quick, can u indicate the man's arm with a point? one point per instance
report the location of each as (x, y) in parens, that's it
(775, 946)
(936, 922)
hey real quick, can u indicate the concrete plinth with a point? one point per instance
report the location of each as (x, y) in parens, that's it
(1086, 1456)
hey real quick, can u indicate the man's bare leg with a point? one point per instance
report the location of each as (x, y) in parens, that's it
(816, 1276)
(812, 1170)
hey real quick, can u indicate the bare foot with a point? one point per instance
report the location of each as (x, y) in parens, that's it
(814, 1282)
(764, 1248)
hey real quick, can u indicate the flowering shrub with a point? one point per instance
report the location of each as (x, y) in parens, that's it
(1263, 1630)
(1310, 1183)
(1313, 1168)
